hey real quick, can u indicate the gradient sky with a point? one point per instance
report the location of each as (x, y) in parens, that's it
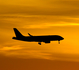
(39, 17)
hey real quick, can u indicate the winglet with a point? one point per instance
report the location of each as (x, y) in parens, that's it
(29, 34)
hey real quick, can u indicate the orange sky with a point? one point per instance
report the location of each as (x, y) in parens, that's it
(40, 17)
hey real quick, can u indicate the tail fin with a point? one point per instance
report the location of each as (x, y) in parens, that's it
(17, 33)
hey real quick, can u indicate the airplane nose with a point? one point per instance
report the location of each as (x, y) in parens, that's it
(62, 38)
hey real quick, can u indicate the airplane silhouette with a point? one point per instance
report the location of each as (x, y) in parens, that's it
(38, 39)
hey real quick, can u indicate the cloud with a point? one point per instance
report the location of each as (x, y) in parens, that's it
(36, 22)
(10, 48)
(19, 52)
(24, 53)
(48, 25)
(41, 7)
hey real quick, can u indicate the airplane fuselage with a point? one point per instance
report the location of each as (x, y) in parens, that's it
(40, 38)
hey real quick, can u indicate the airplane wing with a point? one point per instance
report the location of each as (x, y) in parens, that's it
(29, 34)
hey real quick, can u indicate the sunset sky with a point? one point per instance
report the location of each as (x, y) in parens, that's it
(39, 17)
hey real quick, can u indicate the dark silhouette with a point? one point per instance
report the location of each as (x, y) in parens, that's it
(38, 39)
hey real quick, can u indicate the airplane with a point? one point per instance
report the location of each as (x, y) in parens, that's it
(39, 39)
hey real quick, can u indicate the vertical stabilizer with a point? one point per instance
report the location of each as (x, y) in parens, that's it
(17, 33)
